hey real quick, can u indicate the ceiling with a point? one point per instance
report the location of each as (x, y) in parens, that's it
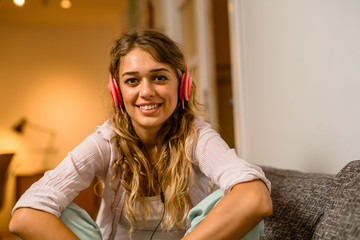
(49, 12)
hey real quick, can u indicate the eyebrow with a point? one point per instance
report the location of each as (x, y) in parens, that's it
(153, 70)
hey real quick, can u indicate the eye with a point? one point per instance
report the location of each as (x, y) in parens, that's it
(131, 81)
(160, 78)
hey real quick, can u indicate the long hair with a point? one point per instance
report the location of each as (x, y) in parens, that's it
(173, 169)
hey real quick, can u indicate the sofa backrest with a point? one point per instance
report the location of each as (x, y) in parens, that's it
(298, 200)
(341, 218)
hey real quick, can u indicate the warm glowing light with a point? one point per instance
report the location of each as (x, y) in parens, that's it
(65, 4)
(19, 3)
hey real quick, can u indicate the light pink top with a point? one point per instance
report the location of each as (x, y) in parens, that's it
(94, 156)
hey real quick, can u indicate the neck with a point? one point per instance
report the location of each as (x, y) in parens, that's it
(148, 138)
(147, 135)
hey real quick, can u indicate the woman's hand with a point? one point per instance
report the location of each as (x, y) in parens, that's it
(28, 223)
(236, 214)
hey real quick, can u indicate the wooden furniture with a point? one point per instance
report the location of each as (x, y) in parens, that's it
(87, 199)
(5, 160)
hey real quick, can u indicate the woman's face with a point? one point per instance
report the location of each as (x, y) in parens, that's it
(149, 90)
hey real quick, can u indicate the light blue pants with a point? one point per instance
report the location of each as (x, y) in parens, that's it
(199, 212)
(84, 227)
(80, 223)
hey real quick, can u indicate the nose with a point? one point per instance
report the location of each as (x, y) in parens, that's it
(146, 89)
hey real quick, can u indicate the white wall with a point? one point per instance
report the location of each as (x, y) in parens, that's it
(299, 82)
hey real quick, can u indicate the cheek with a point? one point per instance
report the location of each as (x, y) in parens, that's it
(127, 96)
(174, 97)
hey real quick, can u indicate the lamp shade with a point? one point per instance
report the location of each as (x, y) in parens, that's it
(19, 127)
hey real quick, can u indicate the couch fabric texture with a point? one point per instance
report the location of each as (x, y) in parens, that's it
(314, 206)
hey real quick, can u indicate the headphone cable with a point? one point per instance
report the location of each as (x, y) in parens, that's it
(162, 196)
(163, 213)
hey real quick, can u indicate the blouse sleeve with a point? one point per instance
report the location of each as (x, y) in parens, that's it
(220, 163)
(58, 187)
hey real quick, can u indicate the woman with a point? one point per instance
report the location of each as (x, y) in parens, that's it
(154, 158)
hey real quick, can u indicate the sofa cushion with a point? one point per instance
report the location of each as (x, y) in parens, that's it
(298, 202)
(341, 219)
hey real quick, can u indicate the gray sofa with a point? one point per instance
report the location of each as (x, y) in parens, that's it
(314, 206)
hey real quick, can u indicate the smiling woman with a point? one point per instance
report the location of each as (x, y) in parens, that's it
(154, 157)
(149, 89)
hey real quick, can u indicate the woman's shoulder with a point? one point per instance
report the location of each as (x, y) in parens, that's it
(96, 149)
(204, 128)
(204, 132)
(105, 130)
(200, 124)
(97, 144)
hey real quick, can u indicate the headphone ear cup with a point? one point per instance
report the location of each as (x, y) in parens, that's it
(185, 87)
(115, 93)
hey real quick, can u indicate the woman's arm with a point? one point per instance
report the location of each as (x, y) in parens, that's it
(28, 223)
(57, 188)
(236, 214)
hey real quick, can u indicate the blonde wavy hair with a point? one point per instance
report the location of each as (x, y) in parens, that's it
(138, 177)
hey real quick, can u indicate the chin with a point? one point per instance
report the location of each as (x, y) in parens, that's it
(151, 123)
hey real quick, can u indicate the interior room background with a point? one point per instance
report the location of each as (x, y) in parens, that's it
(54, 73)
(280, 79)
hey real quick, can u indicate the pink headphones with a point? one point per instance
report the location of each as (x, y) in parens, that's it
(184, 94)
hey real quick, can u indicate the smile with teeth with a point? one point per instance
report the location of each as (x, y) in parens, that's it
(149, 107)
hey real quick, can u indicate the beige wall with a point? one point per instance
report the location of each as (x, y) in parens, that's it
(53, 71)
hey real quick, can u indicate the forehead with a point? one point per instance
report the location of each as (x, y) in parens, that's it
(140, 60)
(137, 58)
